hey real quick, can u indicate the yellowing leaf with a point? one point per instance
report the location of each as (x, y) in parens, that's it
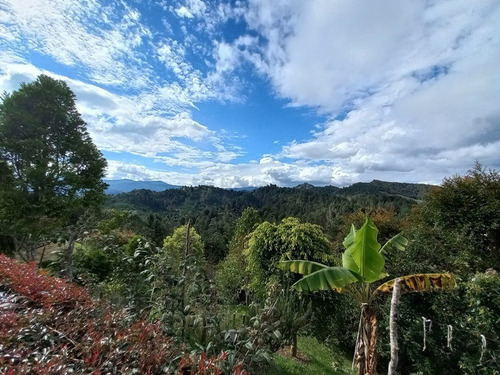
(421, 282)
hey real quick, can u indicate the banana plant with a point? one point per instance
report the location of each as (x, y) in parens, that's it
(363, 264)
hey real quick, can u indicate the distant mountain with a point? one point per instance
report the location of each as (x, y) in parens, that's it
(125, 186)
(413, 191)
(289, 201)
(248, 188)
(407, 190)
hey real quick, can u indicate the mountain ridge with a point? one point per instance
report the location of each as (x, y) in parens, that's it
(405, 189)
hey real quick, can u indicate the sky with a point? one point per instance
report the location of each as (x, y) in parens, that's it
(250, 93)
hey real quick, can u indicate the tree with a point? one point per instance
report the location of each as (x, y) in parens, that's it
(231, 278)
(51, 170)
(363, 264)
(469, 207)
(290, 239)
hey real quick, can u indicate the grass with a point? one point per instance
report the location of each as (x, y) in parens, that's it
(321, 360)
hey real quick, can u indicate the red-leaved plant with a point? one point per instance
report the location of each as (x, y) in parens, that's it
(50, 326)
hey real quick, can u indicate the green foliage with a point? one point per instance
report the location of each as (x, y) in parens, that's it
(362, 254)
(471, 308)
(50, 167)
(214, 211)
(455, 228)
(97, 261)
(231, 277)
(319, 276)
(320, 360)
(174, 248)
(272, 243)
(467, 208)
(362, 263)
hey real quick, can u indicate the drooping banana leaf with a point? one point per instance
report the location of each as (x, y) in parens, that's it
(396, 243)
(362, 256)
(421, 282)
(304, 267)
(330, 278)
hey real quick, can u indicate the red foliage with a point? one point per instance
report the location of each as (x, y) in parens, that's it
(27, 280)
(59, 329)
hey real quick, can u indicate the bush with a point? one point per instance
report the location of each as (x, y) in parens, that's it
(56, 328)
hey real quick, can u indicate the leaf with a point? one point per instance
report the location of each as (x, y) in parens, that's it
(396, 243)
(349, 240)
(278, 335)
(304, 267)
(330, 278)
(362, 256)
(421, 282)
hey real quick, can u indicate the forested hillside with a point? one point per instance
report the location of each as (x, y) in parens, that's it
(214, 211)
(208, 281)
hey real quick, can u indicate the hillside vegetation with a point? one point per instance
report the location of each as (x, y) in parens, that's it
(201, 280)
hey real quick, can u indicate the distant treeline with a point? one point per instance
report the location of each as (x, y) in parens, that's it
(214, 211)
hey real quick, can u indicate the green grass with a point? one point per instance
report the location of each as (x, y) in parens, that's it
(322, 360)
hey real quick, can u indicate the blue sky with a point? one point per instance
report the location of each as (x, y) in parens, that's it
(248, 93)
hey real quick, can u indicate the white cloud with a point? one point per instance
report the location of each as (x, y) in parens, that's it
(410, 90)
(104, 40)
(241, 175)
(131, 124)
(419, 82)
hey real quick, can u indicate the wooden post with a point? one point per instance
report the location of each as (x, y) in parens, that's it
(393, 325)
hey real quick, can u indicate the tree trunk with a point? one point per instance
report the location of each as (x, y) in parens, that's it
(396, 292)
(187, 249)
(294, 345)
(42, 255)
(30, 252)
(68, 255)
(365, 358)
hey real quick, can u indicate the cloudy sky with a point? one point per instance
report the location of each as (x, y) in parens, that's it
(248, 93)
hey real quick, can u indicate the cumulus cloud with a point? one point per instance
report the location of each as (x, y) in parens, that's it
(228, 175)
(409, 90)
(120, 123)
(409, 86)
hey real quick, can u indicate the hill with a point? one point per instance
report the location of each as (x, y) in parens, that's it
(413, 191)
(125, 186)
(167, 197)
(214, 211)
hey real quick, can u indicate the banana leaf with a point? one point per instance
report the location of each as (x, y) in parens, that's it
(330, 278)
(396, 243)
(304, 267)
(421, 282)
(362, 256)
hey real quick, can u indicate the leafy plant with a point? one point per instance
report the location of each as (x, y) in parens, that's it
(362, 264)
(54, 327)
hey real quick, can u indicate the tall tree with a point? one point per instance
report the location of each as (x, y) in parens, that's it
(51, 170)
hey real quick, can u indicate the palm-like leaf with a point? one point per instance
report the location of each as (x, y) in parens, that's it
(349, 240)
(362, 254)
(329, 278)
(304, 267)
(396, 243)
(421, 282)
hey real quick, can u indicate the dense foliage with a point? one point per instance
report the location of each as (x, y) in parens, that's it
(52, 327)
(51, 170)
(214, 211)
(185, 280)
